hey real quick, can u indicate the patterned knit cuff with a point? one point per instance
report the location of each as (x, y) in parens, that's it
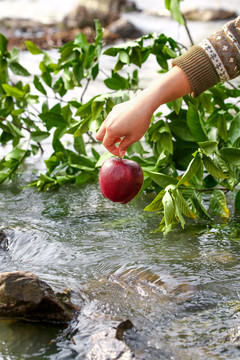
(198, 68)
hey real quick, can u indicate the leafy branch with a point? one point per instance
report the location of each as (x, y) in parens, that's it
(193, 149)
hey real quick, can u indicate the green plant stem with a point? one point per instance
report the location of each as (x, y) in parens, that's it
(188, 31)
(85, 89)
(210, 189)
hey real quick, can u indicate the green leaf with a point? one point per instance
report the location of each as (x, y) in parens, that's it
(79, 145)
(206, 101)
(96, 108)
(83, 178)
(222, 127)
(195, 125)
(234, 130)
(136, 148)
(85, 109)
(192, 169)
(176, 104)
(156, 204)
(208, 146)
(169, 209)
(15, 154)
(166, 142)
(199, 208)
(64, 179)
(179, 127)
(231, 155)
(96, 155)
(212, 168)
(38, 85)
(83, 128)
(52, 119)
(15, 130)
(237, 201)
(161, 179)
(183, 206)
(119, 65)
(3, 177)
(175, 11)
(13, 91)
(81, 41)
(39, 135)
(18, 69)
(81, 162)
(99, 31)
(106, 155)
(32, 48)
(218, 204)
(167, 4)
(3, 44)
(124, 57)
(136, 57)
(116, 82)
(95, 71)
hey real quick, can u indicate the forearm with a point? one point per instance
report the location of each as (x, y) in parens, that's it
(172, 86)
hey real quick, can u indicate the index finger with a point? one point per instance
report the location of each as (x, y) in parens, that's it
(101, 132)
(110, 144)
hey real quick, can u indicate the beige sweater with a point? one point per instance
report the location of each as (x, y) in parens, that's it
(213, 60)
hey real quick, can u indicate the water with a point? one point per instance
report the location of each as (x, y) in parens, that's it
(180, 291)
(74, 238)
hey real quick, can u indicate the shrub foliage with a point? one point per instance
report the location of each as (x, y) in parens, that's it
(189, 151)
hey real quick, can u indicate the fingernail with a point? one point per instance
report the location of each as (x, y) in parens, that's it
(122, 153)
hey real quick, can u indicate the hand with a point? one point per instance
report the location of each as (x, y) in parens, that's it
(128, 122)
(125, 124)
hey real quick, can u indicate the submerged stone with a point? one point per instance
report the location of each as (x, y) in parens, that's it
(24, 296)
(108, 347)
(3, 240)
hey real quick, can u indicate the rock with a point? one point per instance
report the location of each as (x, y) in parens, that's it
(83, 16)
(122, 327)
(3, 240)
(124, 29)
(23, 295)
(106, 6)
(106, 11)
(209, 14)
(107, 347)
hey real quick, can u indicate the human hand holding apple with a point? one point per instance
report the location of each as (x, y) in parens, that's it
(120, 180)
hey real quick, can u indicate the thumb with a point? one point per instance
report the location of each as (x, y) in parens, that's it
(124, 145)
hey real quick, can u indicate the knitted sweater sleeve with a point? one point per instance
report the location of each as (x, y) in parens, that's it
(213, 60)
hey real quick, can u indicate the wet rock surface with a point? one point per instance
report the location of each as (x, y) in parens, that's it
(108, 347)
(3, 240)
(24, 296)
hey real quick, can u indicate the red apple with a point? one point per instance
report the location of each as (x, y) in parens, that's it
(120, 179)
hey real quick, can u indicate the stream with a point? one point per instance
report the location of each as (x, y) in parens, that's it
(181, 291)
